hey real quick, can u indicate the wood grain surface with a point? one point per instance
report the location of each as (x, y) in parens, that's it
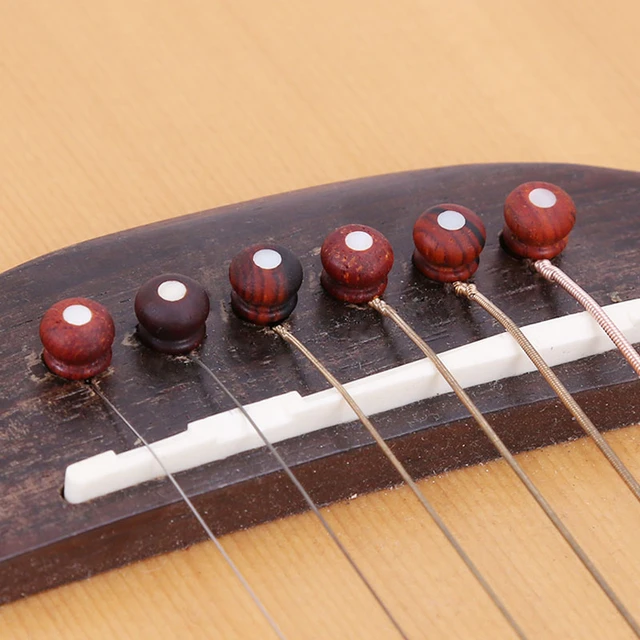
(115, 114)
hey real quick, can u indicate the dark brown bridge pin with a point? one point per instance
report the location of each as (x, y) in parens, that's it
(265, 280)
(172, 312)
(449, 239)
(77, 335)
(356, 260)
(538, 219)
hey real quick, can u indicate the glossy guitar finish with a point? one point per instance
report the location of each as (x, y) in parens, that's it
(49, 423)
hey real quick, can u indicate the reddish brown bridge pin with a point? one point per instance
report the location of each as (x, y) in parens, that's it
(356, 260)
(449, 239)
(77, 335)
(538, 218)
(265, 280)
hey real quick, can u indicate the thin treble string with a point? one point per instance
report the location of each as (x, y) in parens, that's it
(286, 335)
(554, 274)
(254, 596)
(388, 311)
(312, 505)
(471, 293)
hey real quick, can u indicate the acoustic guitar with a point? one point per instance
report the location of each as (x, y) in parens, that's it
(63, 101)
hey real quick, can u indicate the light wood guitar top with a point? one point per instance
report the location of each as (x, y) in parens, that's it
(121, 113)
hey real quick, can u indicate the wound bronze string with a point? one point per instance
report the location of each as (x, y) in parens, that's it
(471, 292)
(554, 274)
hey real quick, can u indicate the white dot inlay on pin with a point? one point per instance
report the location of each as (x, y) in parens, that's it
(451, 220)
(358, 240)
(542, 198)
(172, 290)
(267, 259)
(77, 315)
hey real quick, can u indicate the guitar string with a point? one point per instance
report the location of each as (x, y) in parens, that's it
(554, 274)
(471, 292)
(305, 494)
(288, 337)
(386, 310)
(254, 596)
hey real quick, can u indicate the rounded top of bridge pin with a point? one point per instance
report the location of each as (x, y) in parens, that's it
(265, 279)
(172, 312)
(356, 261)
(449, 239)
(538, 219)
(77, 335)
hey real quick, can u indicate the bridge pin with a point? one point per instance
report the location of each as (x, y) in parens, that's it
(538, 219)
(265, 280)
(449, 239)
(77, 335)
(356, 261)
(172, 312)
